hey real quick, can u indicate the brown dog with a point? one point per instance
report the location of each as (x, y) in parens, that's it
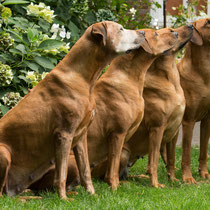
(164, 110)
(55, 115)
(194, 71)
(119, 103)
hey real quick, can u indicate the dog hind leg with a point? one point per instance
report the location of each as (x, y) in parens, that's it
(81, 155)
(204, 139)
(63, 141)
(115, 147)
(5, 162)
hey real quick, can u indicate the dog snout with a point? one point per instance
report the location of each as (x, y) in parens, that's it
(175, 34)
(141, 32)
(190, 26)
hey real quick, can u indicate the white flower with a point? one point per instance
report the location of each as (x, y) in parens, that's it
(133, 11)
(68, 35)
(45, 36)
(41, 5)
(62, 32)
(55, 28)
(30, 73)
(11, 99)
(203, 14)
(54, 36)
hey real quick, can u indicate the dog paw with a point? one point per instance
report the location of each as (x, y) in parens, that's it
(205, 175)
(91, 189)
(161, 185)
(173, 178)
(114, 187)
(158, 185)
(189, 180)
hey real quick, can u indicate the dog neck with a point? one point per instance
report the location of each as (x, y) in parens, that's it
(165, 68)
(133, 66)
(88, 61)
(197, 59)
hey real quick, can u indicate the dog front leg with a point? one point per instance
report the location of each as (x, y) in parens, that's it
(81, 155)
(187, 132)
(63, 141)
(171, 152)
(115, 147)
(155, 138)
(204, 139)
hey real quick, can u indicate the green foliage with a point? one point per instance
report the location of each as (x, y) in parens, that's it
(187, 14)
(28, 44)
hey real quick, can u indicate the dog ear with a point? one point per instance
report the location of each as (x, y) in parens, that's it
(99, 30)
(196, 37)
(146, 47)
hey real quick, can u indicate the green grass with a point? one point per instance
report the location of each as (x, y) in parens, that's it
(135, 194)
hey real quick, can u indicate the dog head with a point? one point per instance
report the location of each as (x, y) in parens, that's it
(184, 35)
(159, 41)
(201, 33)
(115, 38)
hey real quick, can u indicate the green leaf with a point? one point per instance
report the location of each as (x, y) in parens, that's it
(25, 90)
(3, 92)
(74, 29)
(44, 25)
(32, 34)
(53, 60)
(89, 18)
(21, 48)
(8, 2)
(4, 109)
(50, 44)
(16, 80)
(24, 78)
(18, 36)
(32, 66)
(44, 62)
(6, 57)
(15, 52)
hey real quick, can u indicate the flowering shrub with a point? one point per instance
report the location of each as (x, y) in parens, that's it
(105, 14)
(6, 75)
(11, 99)
(30, 46)
(41, 10)
(187, 14)
(35, 78)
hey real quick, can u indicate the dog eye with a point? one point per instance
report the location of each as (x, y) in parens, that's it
(121, 29)
(156, 34)
(171, 30)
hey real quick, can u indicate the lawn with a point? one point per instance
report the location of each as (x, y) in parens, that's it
(136, 193)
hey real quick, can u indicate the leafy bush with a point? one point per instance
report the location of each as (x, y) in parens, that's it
(187, 14)
(30, 45)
